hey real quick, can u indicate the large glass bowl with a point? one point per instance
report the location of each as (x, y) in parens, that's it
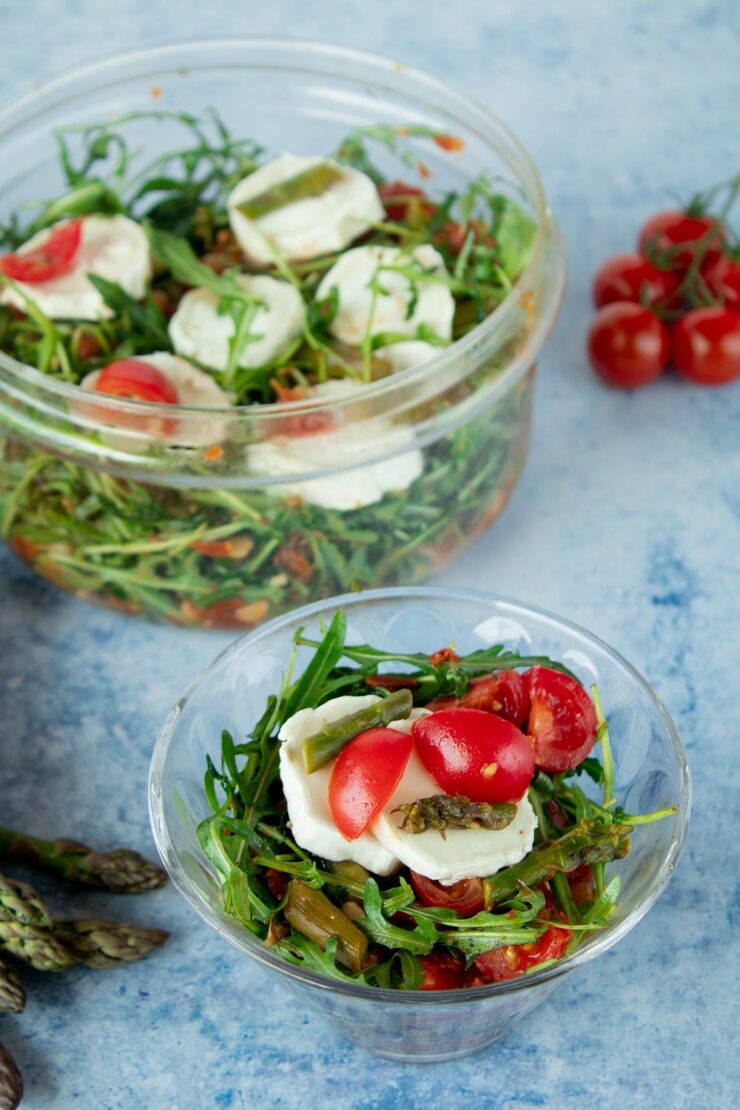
(650, 773)
(114, 519)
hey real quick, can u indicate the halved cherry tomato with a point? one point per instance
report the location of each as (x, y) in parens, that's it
(443, 971)
(365, 774)
(277, 883)
(627, 344)
(582, 884)
(722, 276)
(137, 380)
(466, 897)
(231, 612)
(237, 547)
(399, 210)
(512, 960)
(54, 257)
(705, 346)
(471, 752)
(668, 230)
(562, 720)
(628, 277)
(505, 693)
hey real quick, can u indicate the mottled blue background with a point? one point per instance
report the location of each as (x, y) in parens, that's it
(626, 520)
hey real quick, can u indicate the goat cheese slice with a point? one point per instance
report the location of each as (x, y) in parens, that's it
(308, 795)
(461, 853)
(379, 291)
(344, 205)
(287, 456)
(112, 247)
(200, 332)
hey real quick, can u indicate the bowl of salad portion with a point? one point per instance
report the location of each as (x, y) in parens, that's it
(269, 319)
(421, 809)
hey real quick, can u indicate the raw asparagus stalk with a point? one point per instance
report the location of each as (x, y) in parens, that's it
(20, 903)
(12, 992)
(11, 1081)
(101, 944)
(35, 946)
(120, 871)
(454, 811)
(311, 182)
(588, 842)
(324, 745)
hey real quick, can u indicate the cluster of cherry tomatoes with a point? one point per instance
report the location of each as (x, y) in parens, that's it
(676, 302)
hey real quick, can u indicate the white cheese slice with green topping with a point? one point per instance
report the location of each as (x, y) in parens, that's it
(201, 331)
(343, 208)
(390, 291)
(112, 247)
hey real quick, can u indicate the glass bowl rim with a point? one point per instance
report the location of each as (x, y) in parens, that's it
(257, 951)
(548, 236)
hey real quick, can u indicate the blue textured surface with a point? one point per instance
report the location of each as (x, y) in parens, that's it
(626, 520)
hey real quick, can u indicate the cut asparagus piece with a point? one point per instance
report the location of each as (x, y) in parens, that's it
(325, 745)
(311, 182)
(311, 913)
(455, 811)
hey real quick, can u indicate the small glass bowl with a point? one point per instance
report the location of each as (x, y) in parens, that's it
(650, 773)
(200, 537)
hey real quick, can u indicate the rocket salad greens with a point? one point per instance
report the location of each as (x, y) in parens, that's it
(400, 928)
(202, 553)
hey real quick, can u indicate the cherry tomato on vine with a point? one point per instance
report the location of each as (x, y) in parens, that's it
(627, 344)
(562, 720)
(466, 896)
(722, 275)
(51, 259)
(629, 277)
(668, 230)
(504, 693)
(365, 774)
(136, 380)
(471, 752)
(443, 971)
(705, 346)
(513, 960)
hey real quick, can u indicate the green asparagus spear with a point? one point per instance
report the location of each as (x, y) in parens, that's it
(310, 912)
(11, 1081)
(587, 842)
(325, 745)
(311, 182)
(35, 946)
(101, 944)
(120, 871)
(20, 903)
(12, 991)
(454, 811)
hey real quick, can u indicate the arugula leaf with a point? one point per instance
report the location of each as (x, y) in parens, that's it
(146, 319)
(420, 940)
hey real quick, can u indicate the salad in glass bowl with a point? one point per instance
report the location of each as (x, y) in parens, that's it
(238, 373)
(404, 817)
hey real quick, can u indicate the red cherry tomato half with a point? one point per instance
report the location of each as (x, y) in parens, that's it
(136, 380)
(408, 194)
(627, 344)
(443, 971)
(722, 276)
(466, 897)
(582, 884)
(54, 257)
(471, 752)
(705, 346)
(668, 230)
(513, 960)
(562, 720)
(628, 277)
(365, 774)
(505, 694)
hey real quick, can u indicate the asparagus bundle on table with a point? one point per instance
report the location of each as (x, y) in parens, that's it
(120, 871)
(25, 928)
(12, 992)
(11, 1081)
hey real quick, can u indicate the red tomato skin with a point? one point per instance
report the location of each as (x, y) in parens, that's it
(722, 276)
(465, 897)
(443, 971)
(629, 277)
(512, 960)
(52, 259)
(397, 212)
(562, 720)
(667, 230)
(627, 345)
(705, 346)
(471, 752)
(582, 884)
(365, 774)
(504, 693)
(136, 379)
